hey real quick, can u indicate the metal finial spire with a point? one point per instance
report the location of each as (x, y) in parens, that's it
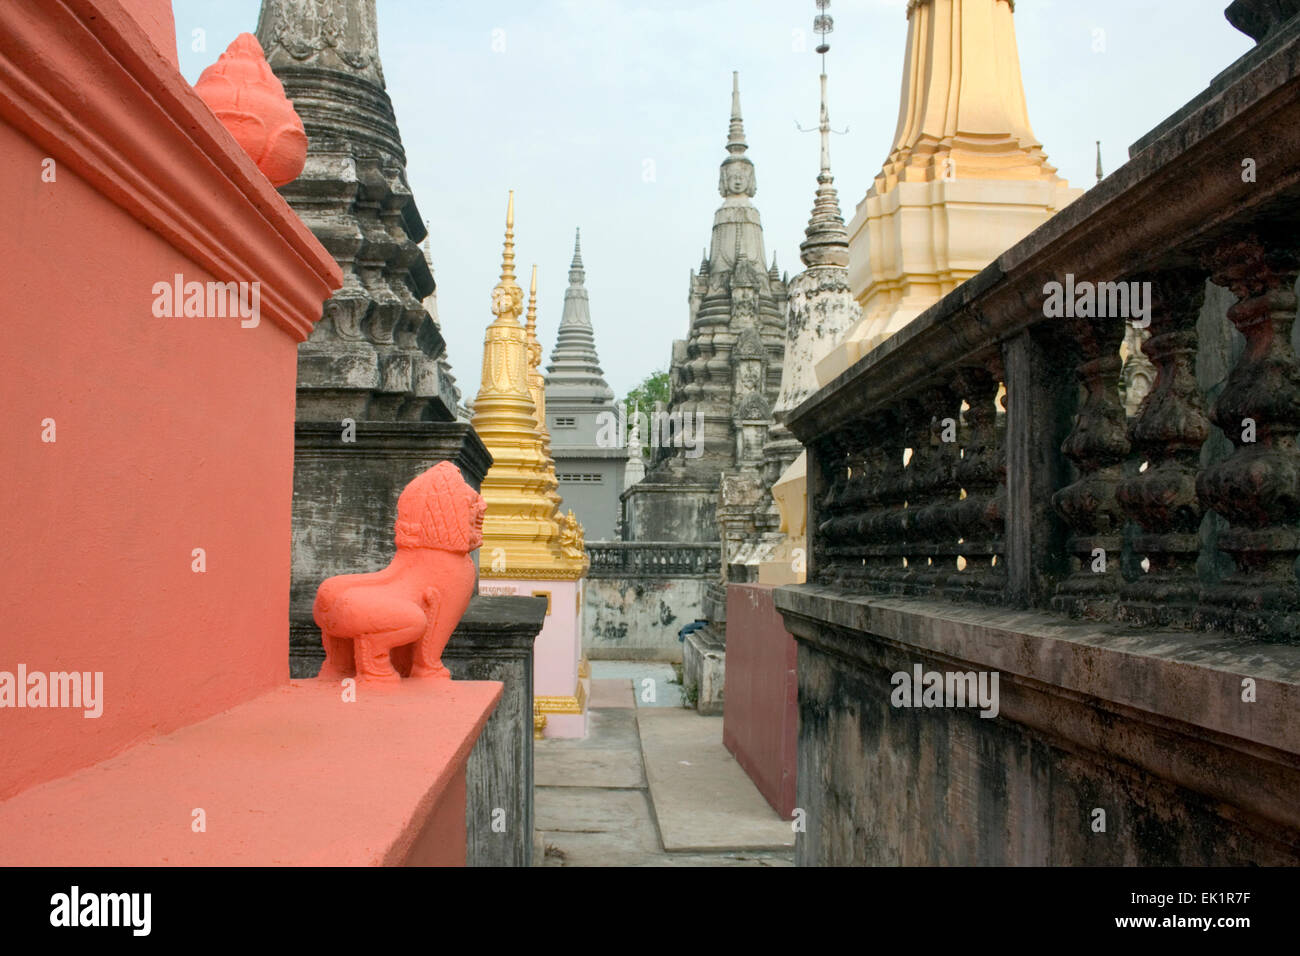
(508, 255)
(1100, 174)
(736, 131)
(823, 24)
(824, 126)
(827, 240)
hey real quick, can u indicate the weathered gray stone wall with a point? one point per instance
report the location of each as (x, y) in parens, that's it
(704, 669)
(494, 641)
(671, 512)
(1149, 728)
(630, 618)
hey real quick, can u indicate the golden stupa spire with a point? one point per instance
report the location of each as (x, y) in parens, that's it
(962, 113)
(965, 178)
(523, 533)
(537, 387)
(535, 346)
(508, 255)
(507, 297)
(536, 383)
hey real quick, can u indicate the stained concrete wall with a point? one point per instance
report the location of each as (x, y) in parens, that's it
(594, 502)
(628, 618)
(1149, 728)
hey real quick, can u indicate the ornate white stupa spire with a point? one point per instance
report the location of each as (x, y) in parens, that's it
(820, 309)
(827, 241)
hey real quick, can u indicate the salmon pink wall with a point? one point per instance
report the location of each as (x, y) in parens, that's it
(172, 434)
(158, 21)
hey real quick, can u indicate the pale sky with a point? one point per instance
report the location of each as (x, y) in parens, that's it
(587, 91)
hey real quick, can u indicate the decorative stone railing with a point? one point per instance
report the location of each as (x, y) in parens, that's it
(923, 481)
(611, 559)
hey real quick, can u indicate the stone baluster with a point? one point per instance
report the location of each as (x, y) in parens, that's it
(857, 489)
(1097, 446)
(916, 417)
(1170, 429)
(883, 466)
(830, 530)
(1257, 487)
(980, 516)
(889, 524)
(934, 492)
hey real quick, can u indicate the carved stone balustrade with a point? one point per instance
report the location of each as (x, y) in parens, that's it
(981, 473)
(921, 486)
(932, 496)
(983, 506)
(1257, 488)
(617, 559)
(1168, 434)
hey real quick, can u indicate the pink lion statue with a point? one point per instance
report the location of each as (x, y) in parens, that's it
(400, 619)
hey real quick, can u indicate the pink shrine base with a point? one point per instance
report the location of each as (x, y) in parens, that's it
(557, 650)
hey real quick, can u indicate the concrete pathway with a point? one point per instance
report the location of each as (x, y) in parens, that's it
(650, 785)
(654, 683)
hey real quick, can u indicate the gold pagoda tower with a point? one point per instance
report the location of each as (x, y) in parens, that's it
(965, 180)
(529, 546)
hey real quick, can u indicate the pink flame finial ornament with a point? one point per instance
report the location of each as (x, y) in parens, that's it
(250, 102)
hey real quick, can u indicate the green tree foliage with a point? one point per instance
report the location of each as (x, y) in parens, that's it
(654, 388)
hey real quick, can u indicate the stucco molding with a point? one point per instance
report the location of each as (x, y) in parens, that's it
(83, 80)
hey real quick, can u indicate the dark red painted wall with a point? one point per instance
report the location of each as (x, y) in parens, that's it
(760, 719)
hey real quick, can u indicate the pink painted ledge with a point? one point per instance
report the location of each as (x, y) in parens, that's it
(295, 777)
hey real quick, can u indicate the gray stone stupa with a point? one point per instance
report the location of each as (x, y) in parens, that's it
(376, 402)
(724, 377)
(820, 310)
(581, 416)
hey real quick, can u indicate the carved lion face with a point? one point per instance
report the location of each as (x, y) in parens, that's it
(439, 510)
(477, 508)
